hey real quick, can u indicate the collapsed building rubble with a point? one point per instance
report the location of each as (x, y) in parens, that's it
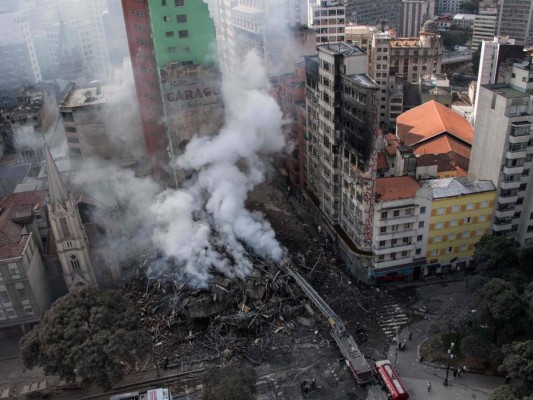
(247, 319)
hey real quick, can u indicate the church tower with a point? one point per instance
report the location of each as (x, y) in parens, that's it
(71, 240)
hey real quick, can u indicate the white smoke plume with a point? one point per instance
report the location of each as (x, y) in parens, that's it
(211, 219)
(205, 223)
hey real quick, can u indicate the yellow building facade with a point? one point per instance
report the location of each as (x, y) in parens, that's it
(461, 213)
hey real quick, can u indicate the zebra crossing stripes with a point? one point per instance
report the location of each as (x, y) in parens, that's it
(391, 317)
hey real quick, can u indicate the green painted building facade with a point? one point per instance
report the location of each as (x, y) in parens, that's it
(183, 32)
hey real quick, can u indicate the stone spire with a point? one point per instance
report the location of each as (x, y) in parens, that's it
(56, 187)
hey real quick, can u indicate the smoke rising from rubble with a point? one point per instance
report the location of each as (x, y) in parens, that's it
(205, 224)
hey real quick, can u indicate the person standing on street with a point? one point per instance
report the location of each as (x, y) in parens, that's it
(429, 386)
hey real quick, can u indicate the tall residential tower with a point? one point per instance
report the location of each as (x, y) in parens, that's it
(173, 51)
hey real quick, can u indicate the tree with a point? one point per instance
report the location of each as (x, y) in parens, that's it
(90, 334)
(230, 383)
(495, 252)
(506, 392)
(518, 361)
(501, 307)
(470, 7)
(525, 260)
(476, 346)
(452, 39)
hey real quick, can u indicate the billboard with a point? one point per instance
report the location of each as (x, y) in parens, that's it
(193, 101)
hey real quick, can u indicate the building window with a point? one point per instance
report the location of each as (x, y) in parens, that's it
(169, 33)
(463, 247)
(440, 210)
(438, 225)
(525, 172)
(75, 263)
(5, 297)
(381, 243)
(72, 139)
(181, 18)
(163, 2)
(185, 49)
(14, 271)
(479, 232)
(381, 257)
(394, 228)
(449, 250)
(421, 224)
(467, 220)
(453, 222)
(451, 236)
(70, 129)
(171, 49)
(437, 239)
(405, 253)
(383, 229)
(396, 213)
(11, 314)
(422, 210)
(418, 251)
(419, 238)
(481, 218)
(435, 252)
(179, 3)
(22, 294)
(384, 215)
(183, 34)
(484, 204)
(28, 310)
(167, 18)
(455, 208)
(470, 206)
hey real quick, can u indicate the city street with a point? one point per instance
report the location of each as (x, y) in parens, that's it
(416, 375)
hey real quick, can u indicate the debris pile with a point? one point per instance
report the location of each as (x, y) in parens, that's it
(249, 318)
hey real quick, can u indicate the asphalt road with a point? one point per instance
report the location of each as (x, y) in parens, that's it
(416, 375)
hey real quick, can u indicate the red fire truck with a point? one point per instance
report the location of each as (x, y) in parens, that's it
(388, 376)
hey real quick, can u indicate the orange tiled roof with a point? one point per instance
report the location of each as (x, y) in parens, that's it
(443, 144)
(12, 240)
(396, 187)
(432, 119)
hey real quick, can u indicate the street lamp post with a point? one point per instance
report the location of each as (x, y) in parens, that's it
(450, 358)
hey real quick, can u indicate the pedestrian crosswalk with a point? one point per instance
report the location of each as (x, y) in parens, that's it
(392, 317)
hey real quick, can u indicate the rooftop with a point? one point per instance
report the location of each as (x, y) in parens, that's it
(431, 119)
(444, 162)
(443, 144)
(506, 90)
(364, 80)
(396, 188)
(83, 96)
(452, 187)
(12, 238)
(346, 49)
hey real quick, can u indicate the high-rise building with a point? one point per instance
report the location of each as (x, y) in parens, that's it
(371, 12)
(341, 131)
(275, 29)
(174, 59)
(503, 150)
(408, 58)
(484, 27)
(329, 21)
(515, 19)
(448, 6)
(414, 14)
(18, 59)
(495, 62)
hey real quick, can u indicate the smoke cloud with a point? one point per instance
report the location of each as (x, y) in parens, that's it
(205, 225)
